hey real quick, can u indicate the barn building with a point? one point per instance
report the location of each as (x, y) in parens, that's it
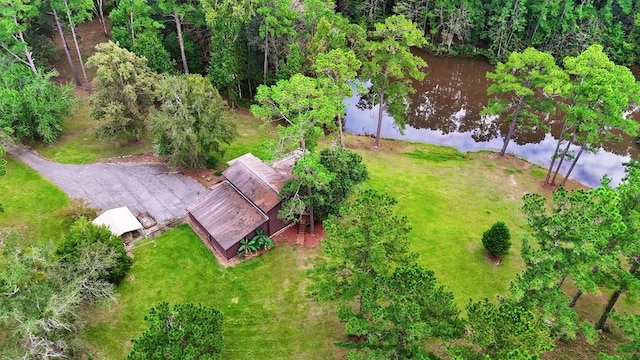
(247, 200)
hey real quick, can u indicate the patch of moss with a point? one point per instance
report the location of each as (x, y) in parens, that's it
(537, 173)
(443, 154)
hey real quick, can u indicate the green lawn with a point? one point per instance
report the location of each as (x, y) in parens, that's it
(449, 198)
(266, 313)
(79, 144)
(29, 202)
(253, 136)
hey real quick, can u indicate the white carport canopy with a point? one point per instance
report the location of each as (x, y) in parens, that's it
(119, 220)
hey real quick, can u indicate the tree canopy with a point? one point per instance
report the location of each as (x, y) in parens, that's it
(390, 66)
(185, 331)
(192, 123)
(527, 79)
(31, 105)
(124, 94)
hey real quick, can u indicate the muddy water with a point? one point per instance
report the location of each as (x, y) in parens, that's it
(445, 110)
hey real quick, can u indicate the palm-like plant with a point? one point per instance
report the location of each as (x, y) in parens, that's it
(262, 240)
(247, 246)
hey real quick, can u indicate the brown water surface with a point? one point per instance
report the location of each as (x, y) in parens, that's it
(446, 109)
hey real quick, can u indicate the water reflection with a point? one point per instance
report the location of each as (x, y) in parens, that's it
(445, 110)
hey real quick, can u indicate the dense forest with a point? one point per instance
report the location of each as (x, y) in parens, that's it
(243, 43)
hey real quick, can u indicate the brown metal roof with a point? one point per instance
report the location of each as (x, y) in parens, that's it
(256, 180)
(226, 214)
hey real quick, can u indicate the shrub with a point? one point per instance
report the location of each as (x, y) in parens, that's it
(76, 209)
(247, 247)
(85, 243)
(262, 240)
(497, 240)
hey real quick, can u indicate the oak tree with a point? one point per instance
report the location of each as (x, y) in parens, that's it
(192, 123)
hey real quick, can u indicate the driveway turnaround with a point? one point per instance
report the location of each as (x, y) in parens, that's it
(151, 188)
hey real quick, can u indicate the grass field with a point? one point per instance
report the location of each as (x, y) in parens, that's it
(30, 203)
(450, 200)
(449, 197)
(79, 144)
(265, 312)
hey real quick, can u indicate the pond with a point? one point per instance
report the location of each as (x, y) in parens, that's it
(445, 110)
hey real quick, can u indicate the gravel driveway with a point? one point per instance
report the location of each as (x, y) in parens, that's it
(152, 188)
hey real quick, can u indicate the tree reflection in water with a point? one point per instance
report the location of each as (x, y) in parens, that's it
(446, 110)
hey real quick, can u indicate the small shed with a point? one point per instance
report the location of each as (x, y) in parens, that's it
(248, 200)
(119, 221)
(261, 184)
(226, 217)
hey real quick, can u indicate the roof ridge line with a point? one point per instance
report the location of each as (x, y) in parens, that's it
(258, 175)
(247, 199)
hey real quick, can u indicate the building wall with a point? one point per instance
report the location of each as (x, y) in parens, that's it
(211, 240)
(275, 224)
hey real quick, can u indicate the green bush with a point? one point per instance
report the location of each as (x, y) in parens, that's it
(76, 209)
(262, 240)
(86, 244)
(497, 240)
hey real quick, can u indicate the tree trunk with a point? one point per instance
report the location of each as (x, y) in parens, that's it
(605, 314)
(380, 111)
(566, 177)
(133, 31)
(594, 270)
(564, 154)
(176, 18)
(340, 131)
(75, 41)
(27, 52)
(555, 153)
(612, 301)
(575, 298)
(512, 126)
(65, 46)
(99, 4)
(561, 282)
(312, 219)
(265, 66)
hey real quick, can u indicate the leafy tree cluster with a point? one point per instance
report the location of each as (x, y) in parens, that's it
(83, 238)
(588, 236)
(31, 105)
(186, 331)
(186, 114)
(499, 330)
(590, 93)
(165, 32)
(630, 349)
(192, 123)
(43, 288)
(344, 169)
